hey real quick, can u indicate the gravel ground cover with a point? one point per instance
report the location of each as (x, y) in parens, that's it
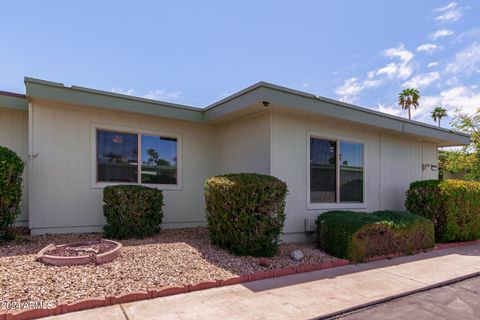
(174, 257)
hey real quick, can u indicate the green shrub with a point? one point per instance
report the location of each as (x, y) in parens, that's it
(132, 211)
(452, 205)
(245, 212)
(11, 169)
(359, 235)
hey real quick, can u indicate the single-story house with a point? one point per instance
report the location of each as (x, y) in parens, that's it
(331, 154)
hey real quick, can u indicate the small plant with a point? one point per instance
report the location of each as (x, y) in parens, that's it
(245, 212)
(359, 235)
(11, 169)
(132, 211)
(452, 205)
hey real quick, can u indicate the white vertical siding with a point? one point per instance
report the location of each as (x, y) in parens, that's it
(401, 163)
(244, 145)
(64, 199)
(391, 164)
(14, 135)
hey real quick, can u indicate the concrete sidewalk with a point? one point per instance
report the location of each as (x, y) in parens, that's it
(304, 296)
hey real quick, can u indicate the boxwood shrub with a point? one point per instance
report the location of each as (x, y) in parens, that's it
(132, 211)
(11, 169)
(359, 235)
(452, 205)
(245, 212)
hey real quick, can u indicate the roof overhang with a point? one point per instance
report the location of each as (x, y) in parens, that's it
(297, 101)
(12, 100)
(248, 101)
(75, 95)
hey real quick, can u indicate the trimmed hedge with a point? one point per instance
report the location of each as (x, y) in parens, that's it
(360, 235)
(452, 205)
(132, 211)
(245, 212)
(11, 169)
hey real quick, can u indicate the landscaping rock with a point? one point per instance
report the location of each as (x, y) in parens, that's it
(297, 255)
(264, 262)
(171, 259)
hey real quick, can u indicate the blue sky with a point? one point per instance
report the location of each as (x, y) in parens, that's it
(196, 52)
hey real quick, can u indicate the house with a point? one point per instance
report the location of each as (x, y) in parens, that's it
(331, 154)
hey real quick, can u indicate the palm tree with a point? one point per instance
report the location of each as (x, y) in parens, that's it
(408, 98)
(438, 114)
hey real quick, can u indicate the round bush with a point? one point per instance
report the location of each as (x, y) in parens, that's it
(245, 212)
(132, 211)
(452, 205)
(11, 169)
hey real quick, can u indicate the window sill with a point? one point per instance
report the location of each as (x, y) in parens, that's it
(101, 185)
(335, 206)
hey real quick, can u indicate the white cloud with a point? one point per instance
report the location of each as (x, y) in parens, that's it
(389, 70)
(427, 48)
(161, 94)
(353, 86)
(305, 84)
(422, 80)
(441, 34)
(449, 13)
(453, 81)
(472, 33)
(399, 52)
(466, 61)
(402, 69)
(466, 98)
(451, 5)
(350, 88)
(432, 64)
(395, 111)
(128, 92)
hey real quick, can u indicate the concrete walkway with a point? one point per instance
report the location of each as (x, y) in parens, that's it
(304, 296)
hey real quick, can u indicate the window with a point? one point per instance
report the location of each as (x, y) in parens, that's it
(336, 171)
(118, 159)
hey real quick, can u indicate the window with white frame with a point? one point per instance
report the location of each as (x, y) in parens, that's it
(336, 171)
(126, 157)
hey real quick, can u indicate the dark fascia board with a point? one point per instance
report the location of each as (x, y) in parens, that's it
(261, 91)
(13, 101)
(53, 91)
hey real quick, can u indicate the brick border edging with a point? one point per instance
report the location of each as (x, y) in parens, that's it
(90, 303)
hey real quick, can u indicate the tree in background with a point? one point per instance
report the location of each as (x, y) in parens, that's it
(467, 159)
(438, 114)
(409, 98)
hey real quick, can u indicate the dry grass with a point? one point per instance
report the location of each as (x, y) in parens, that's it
(175, 257)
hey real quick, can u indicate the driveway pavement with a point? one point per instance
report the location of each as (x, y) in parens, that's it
(305, 296)
(458, 301)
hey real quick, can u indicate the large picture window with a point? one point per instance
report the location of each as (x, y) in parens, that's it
(125, 157)
(336, 171)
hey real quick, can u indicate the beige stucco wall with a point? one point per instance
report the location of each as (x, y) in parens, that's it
(391, 163)
(14, 135)
(244, 145)
(63, 199)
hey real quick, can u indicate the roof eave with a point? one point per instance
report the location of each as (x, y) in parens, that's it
(12, 100)
(52, 91)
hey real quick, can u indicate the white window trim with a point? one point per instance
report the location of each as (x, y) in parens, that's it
(94, 184)
(337, 204)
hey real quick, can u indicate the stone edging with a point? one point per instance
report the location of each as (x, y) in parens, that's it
(89, 303)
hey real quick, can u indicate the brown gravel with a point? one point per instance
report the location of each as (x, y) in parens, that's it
(175, 257)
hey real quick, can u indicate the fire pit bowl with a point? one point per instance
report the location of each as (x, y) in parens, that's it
(77, 253)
